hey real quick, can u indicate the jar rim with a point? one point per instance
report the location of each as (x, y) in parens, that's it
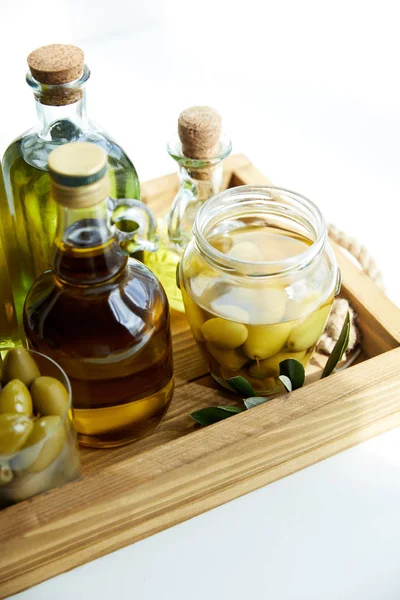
(270, 196)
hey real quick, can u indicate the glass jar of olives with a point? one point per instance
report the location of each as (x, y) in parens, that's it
(38, 442)
(258, 281)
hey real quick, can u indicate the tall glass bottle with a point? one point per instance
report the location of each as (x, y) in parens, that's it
(102, 317)
(199, 149)
(9, 335)
(28, 219)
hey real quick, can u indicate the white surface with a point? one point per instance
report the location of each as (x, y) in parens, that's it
(310, 92)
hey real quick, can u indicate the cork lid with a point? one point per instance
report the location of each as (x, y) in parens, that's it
(78, 171)
(56, 64)
(199, 129)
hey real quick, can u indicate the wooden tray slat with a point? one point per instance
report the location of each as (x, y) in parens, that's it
(179, 471)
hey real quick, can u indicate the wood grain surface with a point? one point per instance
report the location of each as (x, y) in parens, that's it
(179, 470)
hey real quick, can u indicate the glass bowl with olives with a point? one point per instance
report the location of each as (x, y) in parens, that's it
(38, 442)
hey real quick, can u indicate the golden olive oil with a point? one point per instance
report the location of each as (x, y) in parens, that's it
(106, 322)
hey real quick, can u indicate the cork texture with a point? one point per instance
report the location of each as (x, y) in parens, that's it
(199, 129)
(56, 64)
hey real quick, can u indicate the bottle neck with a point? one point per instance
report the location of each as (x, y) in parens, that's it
(204, 183)
(62, 122)
(61, 109)
(86, 251)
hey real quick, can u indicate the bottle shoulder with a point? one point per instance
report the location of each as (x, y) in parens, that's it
(135, 298)
(35, 149)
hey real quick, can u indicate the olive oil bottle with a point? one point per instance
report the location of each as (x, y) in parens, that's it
(199, 150)
(103, 317)
(9, 335)
(28, 218)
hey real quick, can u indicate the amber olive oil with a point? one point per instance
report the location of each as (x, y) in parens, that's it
(116, 352)
(104, 318)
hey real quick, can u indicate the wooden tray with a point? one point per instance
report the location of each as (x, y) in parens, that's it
(180, 471)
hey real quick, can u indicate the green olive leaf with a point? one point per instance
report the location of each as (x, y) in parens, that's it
(339, 349)
(232, 409)
(255, 401)
(178, 281)
(240, 385)
(213, 414)
(287, 384)
(293, 370)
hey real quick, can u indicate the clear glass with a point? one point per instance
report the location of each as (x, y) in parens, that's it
(28, 218)
(198, 181)
(258, 281)
(104, 317)
(50, 463)
(9, 335)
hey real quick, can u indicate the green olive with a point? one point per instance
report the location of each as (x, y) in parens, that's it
(224, 334)
(49, 396)
(270, 366)
(194, 315)
(6, 474)
(233, 360)
(246, 251)
(265, 304)
(195, 265)
(267, 384)
(15, 398)
(266, 340)
(44, 454)
(271, 305)
(19, 364)
(307, 334)
(299, 306)
(29, 485)
(14, 432)
(229, 311)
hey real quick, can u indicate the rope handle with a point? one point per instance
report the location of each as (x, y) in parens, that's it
(340, 305)
(359, 252)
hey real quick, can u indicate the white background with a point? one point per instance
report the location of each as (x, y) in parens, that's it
(310, 91)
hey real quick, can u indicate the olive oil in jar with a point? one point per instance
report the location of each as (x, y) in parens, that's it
(248, 329)
(28, 217)
(103, 317)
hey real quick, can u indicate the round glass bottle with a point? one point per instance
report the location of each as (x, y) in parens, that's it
(199, 149)
(102, 317)
(258, 281)
(28, 218)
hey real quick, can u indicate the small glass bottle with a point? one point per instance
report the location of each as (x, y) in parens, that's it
(28, 219)
(102, 317)
(199, 149)
(9, 335)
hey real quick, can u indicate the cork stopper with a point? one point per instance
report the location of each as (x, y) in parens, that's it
(199, 129)
(57, 64)
(79, 174)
